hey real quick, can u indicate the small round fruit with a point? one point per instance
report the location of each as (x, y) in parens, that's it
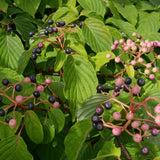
(99, 126)
(19, 99)
(8, 119)
(36, 94)
(48, 81)
(51, 99)
(116, 131)
(154, 132)
(141, 82)
(30, 105)
(62, 23)
(116, 115)
(137, 138)
(33, 78)
(73, 25)
(136, 90)
(157, 109)
(18, 87)
(50, 30)
(1, 98)
(108, 105)
(129, 116)
(50, 21)
(157, 119)
(40, 45)
(40, 88)
(116, 88)
(55, 29)
(94, 125)
(68, 50)
(151, 76)
(95, 118)
(58, 24)
(13, 123)
(139, 37)
(56, 104)
(5, 81)
(128, 80)
(33, 56)
(145, 127)
(144, 150)
(38, 50)
(136, 67)
(126, 88)
(135, 124)
(46, 32)
(100, 88)
(99, 110)
(34, 50)
(31, 33)
(27, 80)
(2, 112)
(119, 81)
(9, 29)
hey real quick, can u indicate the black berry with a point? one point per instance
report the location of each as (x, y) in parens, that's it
(2, 112)
(95, 118)
(116, 88)
(100, 88)
(99, 110)
(31, 33)
(46, 32)
(58, 24)
(50, 30)
(34, 50)
(1, 98)
(128, 80)
(154, 132)
(8, 119)
(38, 50)
(126, 88)
(18, 87)
(51, 99)
(144, 150)
(73, 25)
(5, 81)
(68, 50)
(136, 67)
(36, 94)
(50, 21)
(94, 125)
(141, 82)
(9, 29)
(108, 105)
(33, 78)
(99, 126)
(62, 23)
(30, 105)
(33, 56)
(47, 28)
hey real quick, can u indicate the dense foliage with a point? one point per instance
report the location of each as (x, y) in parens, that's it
(80, 79)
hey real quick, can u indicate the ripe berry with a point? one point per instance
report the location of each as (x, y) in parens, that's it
(33, 56)
(126, 88)
(18, 87)
(94, 125)
(116, 131)
(31, 33)
(99, 110)
(116, 115)
(119, 81)
(99, 126)
(145, 127)
(50, 21)
(55, 29)
(58, 24)
(56, 104)
(136, 90)
(33, 78)
(154, 132)
(34, 50)
(30, 106)
(68, 50)
(141, 82)
(1, 98)
(62, 23)
(40, 45)
(100, 88)
(128, 80)
(108, 105)
(19, 99)
(8, 119)
(38, 50)
(137, 137)
(157, 109)
(36, 94)
(40, 88)
(13, 123)
(2, 112)
(136, 67)
(139, 37)
(144, 150)
(48, 81)
(73, 25)
(129, 116)
(51, 99)
(95, 118)
(9, 29)
(116, 88)
(5, 81)
(46, 32)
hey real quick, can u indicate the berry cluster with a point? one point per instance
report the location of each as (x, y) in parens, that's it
(125, 120)
(137, 49)
(25, 103)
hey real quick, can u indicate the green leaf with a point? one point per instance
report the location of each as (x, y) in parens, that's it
(11, 150)
(100, 59)
(108, 150)
(148, 22)
(70, 3)
(54, 3)
(80, 81)
(130, 71)
(3, 5)
(79, 48)
(60, 59)
(144, 5)
(29, 6)
(57, 118)
(129, 11)
(97, 36)
(76, 137)
(125, 27)
(93, 5)
(87, 109)
(10, 50)
(152, 36)
(33, 127)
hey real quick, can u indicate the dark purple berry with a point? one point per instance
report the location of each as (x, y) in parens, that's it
(122, 86)
(68, 50)
(99, 126)
(116, 88)
(51, 99)
(34, 50)
(128, 80)
(58, 24)
(36, 94)
(33, 78)
(31, 33)
(73, 25)
(99, 110)
(155, 44)
(62, 23)
(50, 30)
(139, 37)
(50, 21)
(8, 119)
(154, 132)
(33, 56)
(95, 118)
(126, 88)
(108, 105)
(94, 125)
(55, 29)
(18, 87)
(47, 28)
(100, 88)
(30, 105)
(38, 50)
(141, 82)
(11, 20)
(46, 32)
(144, 150)
(9, 29)
(5, 81)
(40, 45)
(136, 67)
(2, 112)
